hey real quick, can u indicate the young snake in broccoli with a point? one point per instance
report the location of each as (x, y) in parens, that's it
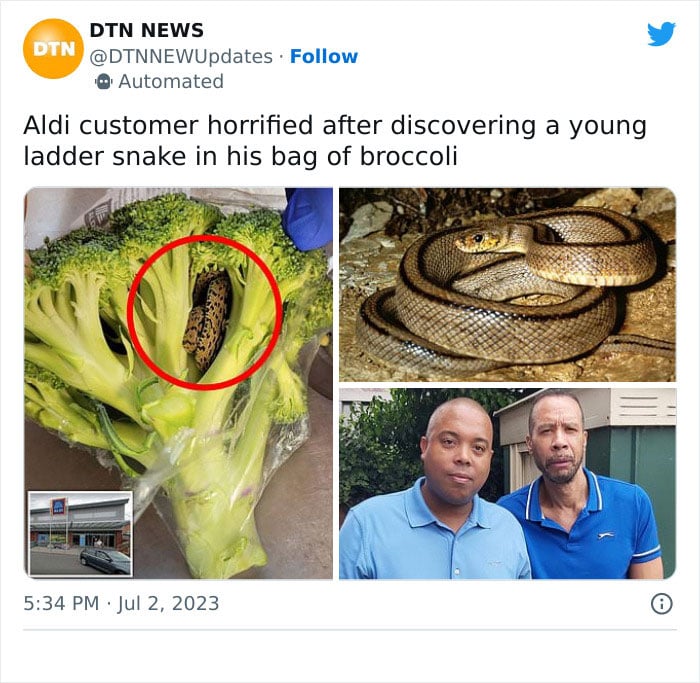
(206, 324)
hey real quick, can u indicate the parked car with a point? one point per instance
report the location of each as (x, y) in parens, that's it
(108, 561)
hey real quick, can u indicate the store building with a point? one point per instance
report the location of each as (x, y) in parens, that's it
(96, 523)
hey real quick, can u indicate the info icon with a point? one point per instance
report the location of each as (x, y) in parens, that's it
(103, 81)
(661, 603)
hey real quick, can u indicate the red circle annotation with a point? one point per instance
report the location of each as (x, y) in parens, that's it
(198, 386)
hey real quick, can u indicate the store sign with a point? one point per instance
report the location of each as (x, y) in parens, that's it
(58, 506)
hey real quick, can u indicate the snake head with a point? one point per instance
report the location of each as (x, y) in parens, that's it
(475, 241)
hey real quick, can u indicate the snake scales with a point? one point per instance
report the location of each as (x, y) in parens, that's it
(458, 307)
(206, 323)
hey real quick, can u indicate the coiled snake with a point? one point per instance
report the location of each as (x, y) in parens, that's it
(206, 324)
(455, 307)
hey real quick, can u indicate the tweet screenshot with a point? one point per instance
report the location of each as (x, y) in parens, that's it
(360, 341)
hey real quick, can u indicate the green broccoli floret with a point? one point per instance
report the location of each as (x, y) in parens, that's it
(49, 402)
(165, 292)
(84, 379)
(73, 280)
(308, 318)
(144, 226)
(82, 420)
(253, 310)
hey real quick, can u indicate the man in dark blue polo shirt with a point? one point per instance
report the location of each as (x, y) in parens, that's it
(439, 528)
(578, 525)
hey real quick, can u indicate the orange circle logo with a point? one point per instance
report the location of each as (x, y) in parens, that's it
(53, 48)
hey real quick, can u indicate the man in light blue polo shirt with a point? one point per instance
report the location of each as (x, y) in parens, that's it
(439, 528)
(579, 525)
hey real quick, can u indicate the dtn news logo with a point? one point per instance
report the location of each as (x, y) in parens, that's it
(53, 48)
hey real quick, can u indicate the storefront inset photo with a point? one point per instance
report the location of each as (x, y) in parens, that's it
(80, 533)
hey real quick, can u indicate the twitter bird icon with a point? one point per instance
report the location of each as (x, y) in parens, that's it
(660, 36)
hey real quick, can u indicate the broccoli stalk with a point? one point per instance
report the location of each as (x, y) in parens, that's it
(84, 379)
(80, 419)
(275, 395)
(216, 487)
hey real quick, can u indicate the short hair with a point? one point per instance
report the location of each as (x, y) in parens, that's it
(546, 394)
(460, 400)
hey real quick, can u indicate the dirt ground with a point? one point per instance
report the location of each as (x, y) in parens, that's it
(378, 225)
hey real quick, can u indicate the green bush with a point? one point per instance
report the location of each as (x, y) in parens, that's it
(379, 440)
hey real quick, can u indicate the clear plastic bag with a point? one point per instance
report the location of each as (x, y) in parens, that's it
(205, 486)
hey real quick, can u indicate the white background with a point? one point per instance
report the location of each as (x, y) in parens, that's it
(541, 60)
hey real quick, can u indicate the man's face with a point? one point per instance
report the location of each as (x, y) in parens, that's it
(456, 453)
(557, 441)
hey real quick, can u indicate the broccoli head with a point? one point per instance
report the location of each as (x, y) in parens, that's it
(84, 379)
